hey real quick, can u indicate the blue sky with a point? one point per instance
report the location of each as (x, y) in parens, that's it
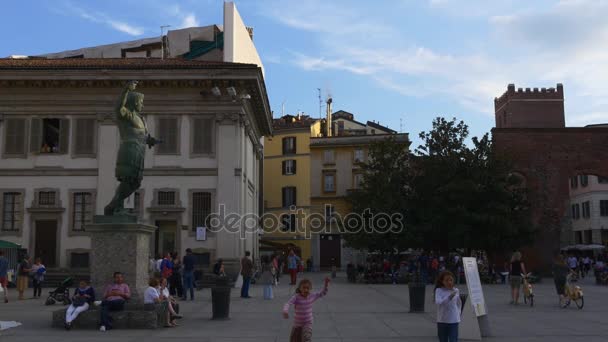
(391, 61)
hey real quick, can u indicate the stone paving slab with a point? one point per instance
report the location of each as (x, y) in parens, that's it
(349, 312)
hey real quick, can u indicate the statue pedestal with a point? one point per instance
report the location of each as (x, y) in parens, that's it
(120, 244)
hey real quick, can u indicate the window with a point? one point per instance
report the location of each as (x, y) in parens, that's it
(329, 181)
(328, 156)
(340, 128)
(85, 136)
(166, 198)
(289, 145)
(574, 182)
(203, 136)
(357, 180)
(15, 137)
(330, 211)
(576, 214)
(584, 180)
(588, 236)
(289, 196)
(167, 130)
(46, 198)
(11, 211)
(201, 209)
(359, 157)
(83, 210)
(602, 180)
(603, 207)
(288, 222)
(586, 210)
(79, 260)
(578, 237)
(289, 167)
(49, 135)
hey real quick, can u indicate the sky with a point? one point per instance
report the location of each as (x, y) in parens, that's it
(399, 62)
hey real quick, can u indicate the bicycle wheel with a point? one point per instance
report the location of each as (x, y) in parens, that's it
(580, 302)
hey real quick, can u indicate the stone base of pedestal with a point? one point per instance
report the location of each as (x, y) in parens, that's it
(120, 244)
(133, 317)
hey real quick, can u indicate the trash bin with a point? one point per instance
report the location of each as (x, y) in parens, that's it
(220, 298)
(417, 296)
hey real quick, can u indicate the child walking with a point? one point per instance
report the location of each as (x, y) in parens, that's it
(449, 307)
(302, 302)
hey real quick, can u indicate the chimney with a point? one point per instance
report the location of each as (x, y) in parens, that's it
(328, 121)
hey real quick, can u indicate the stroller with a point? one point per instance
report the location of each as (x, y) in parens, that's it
(61, 294)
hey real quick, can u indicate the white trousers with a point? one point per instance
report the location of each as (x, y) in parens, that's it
(74, 311)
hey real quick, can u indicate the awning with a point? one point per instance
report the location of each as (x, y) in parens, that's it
(7, 244)
(580, 247)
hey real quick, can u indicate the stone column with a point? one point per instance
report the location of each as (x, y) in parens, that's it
(120, 244)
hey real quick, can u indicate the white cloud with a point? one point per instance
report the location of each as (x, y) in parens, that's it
(126, 28)
(189, 21)
(102, 18)
(531, 47)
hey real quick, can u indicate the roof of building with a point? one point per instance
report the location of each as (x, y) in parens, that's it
(357, 139)
(115, 63)
(292, 121)
(380, 127)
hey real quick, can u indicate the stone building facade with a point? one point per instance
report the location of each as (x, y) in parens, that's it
(58, 146)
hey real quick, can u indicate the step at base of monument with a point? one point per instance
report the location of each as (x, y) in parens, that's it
(130, 318)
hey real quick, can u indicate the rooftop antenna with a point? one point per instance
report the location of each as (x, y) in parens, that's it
(283, 109)
(320, 104)
(162, 46)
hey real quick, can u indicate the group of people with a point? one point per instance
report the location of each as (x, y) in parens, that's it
(269, 273)
(179, 273)
(25, 271)
(397, 269)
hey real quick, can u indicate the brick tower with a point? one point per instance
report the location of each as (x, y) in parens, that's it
(530, 108)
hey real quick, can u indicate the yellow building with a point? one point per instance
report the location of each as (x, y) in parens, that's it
(287, 185)
(335, 171)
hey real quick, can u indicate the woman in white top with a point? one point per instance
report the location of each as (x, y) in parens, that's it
(171, 302)
(449, 307)
(155, 300)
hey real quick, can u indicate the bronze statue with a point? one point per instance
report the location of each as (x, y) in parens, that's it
(134, 137)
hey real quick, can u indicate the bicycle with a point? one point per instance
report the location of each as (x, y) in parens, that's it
(528, 293)
(572, 293)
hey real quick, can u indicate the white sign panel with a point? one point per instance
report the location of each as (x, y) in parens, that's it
(474, 285)
(201, 233)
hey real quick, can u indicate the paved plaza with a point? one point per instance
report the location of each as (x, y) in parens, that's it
(349, 313)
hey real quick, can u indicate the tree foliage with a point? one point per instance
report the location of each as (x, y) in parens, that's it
(453, 195)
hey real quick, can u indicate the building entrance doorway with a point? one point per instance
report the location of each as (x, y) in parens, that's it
(45, 242)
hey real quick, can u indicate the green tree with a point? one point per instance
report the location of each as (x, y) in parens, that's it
(385, 190)
(465, 197)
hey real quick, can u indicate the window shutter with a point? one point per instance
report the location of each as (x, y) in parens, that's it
(15, 136)
(168, 133)
(207, 136)
(202, 133)
(84, 136)
(294, 167)
(284, 167)
(284, 197)
(64, 135)
(36, 135)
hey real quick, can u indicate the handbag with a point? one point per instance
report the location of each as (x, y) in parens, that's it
(78, 301)
(239, 280)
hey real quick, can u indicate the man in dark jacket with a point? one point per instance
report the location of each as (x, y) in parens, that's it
(247, 273)
(188, 275)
